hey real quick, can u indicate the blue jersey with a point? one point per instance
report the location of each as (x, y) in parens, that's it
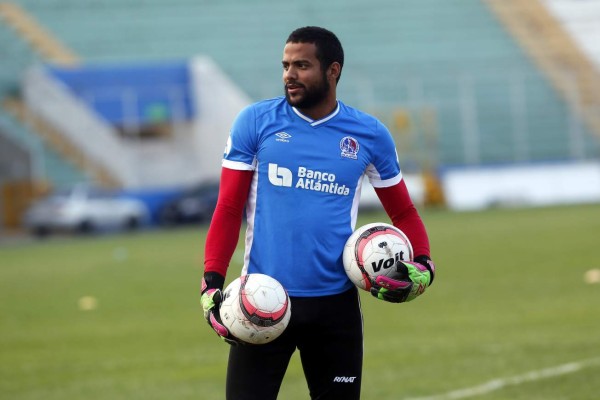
(303, 200)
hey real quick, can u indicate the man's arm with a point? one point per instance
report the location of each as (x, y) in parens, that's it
(417, 275)
(227, 218)
(399, 206)
(221, 244)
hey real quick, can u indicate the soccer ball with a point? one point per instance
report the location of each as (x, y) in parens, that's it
(255, 308)
(374, 249)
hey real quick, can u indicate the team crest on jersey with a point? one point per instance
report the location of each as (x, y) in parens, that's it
(349, 147)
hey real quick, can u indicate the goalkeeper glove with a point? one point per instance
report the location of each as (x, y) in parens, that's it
(414, 277)
(211, 298)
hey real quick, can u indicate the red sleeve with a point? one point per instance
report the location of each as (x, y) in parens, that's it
(399, 206)
(223, 233)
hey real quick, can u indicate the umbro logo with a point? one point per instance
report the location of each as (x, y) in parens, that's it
(283, 137)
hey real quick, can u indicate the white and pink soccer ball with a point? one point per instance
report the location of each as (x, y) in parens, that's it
(374, 249)
(256, 308)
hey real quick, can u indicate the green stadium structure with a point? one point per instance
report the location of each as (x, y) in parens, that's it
(452, 84)
(46, 163)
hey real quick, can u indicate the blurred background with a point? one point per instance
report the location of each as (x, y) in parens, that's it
(114, 115)
(491, 103)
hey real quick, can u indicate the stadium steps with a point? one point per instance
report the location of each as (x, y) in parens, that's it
(33, 33)
(47, 165)
(557, 54)
(66, 149)
(47, 47)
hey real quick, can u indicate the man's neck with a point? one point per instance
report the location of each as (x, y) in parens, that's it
(320, 110)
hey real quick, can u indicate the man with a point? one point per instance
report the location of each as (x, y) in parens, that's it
(296, 164)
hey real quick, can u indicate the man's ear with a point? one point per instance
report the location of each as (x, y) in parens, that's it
(334, 70)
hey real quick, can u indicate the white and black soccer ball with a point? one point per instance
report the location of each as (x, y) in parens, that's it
(374, 249)
(255, 308)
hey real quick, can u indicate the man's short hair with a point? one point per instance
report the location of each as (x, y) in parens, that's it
(329, 47)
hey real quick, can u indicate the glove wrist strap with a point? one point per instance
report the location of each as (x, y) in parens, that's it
(212, 280)
(427, 263)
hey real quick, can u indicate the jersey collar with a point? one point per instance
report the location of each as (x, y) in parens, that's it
(313, 122)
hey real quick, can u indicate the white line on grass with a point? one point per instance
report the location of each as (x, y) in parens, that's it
(497, 384)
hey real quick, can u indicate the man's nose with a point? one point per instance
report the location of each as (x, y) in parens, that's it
(289, 74)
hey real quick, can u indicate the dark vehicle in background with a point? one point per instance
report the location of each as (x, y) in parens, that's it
(84, 209)
(194, 205)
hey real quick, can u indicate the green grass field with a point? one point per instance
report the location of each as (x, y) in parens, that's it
(509, 316)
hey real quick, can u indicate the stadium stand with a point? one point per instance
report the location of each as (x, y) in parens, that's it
(446, 75)
(68, 165)
(33, 33)
(16, 55)
(24, 44)
(49, 164)
(558, 54)
(427, 48)
(580, 20)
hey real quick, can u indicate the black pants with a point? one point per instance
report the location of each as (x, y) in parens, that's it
(328, 332)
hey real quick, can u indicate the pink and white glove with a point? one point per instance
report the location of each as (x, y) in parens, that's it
(414, 277)
(211, 298)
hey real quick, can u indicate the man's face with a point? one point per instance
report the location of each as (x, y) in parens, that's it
(305, 84)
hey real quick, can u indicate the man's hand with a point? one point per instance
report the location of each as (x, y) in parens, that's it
(414, 277)
(211, 298)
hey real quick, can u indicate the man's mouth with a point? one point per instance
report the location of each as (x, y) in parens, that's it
(293, 87)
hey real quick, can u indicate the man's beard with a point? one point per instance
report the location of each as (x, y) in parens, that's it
(312, 96)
